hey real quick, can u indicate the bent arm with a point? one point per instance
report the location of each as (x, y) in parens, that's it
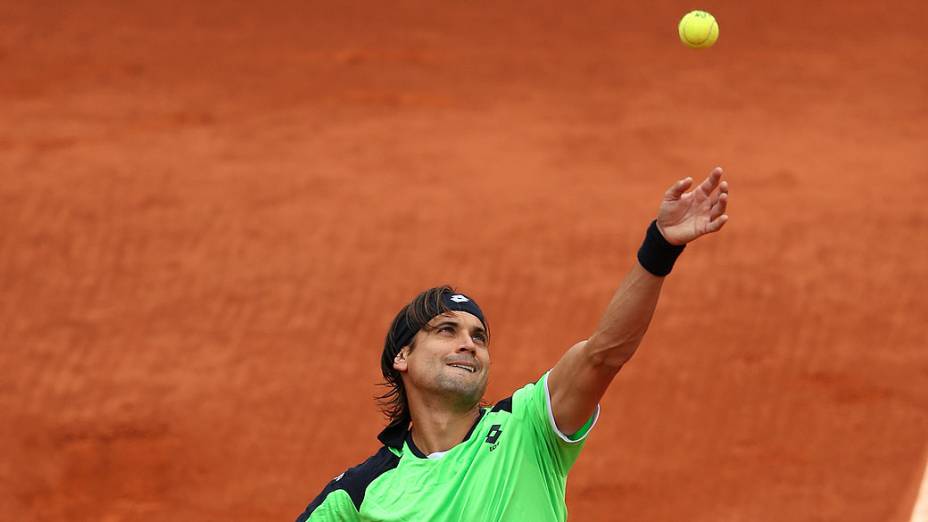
(580, 379)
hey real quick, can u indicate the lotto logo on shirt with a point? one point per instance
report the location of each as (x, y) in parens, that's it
(493, 436)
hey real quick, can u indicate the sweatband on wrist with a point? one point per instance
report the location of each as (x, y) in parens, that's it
(656, 255)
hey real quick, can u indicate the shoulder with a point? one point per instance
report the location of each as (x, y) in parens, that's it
(503, 405)
(355, 481)
(519, 406)
(532, 393)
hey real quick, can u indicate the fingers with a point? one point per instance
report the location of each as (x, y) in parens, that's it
(712, 182)
(718, 208)
(717, 216)
(716, 224)
(678, 188)
(722, 189)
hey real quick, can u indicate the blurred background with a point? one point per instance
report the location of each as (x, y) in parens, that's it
(210, 211)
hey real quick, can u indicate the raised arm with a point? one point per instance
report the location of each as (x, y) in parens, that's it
(579, 380)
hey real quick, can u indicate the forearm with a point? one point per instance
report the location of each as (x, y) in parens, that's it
(581, 377)
(579, 380)
(683, 217)
(626, 319)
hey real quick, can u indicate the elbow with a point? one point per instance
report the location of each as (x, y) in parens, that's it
(612, 354)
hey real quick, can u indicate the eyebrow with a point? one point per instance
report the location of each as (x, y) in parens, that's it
(457, 324)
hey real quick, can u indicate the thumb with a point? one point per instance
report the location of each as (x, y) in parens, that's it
(677, 189)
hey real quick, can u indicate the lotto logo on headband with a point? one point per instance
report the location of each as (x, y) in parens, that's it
(458, 298)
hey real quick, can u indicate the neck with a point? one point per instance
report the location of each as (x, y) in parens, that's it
(436, 428)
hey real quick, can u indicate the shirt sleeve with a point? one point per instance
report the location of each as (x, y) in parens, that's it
(532, 405)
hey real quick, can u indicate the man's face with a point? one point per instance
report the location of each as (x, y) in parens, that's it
(450, 358)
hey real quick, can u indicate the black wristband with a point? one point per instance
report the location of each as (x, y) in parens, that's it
(656, 255)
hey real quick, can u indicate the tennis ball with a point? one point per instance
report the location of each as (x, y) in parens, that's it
(698, 29)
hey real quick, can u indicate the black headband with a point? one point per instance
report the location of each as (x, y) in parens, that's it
(402, 334)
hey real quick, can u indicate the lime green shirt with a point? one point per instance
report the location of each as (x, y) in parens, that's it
(512, 466)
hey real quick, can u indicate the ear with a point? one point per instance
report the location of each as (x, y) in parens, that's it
(400, 362)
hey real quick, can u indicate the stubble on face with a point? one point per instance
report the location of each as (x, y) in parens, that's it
(465, 389)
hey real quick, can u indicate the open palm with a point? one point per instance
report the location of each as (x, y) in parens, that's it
(684, 216)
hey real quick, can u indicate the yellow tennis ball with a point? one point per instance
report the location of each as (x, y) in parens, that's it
(698, 29)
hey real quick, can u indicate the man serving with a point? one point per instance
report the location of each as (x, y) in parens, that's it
(444, 456)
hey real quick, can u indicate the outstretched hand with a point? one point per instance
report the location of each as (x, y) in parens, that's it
(684, 216)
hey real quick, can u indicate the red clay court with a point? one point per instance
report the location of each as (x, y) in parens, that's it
(211, 211)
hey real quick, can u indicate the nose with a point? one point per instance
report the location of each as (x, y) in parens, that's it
(467, 344)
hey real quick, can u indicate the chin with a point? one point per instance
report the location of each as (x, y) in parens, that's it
(467, 390)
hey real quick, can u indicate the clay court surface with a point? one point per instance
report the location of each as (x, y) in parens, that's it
(209, 213)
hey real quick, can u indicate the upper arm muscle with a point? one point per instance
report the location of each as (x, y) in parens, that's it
(576, 384)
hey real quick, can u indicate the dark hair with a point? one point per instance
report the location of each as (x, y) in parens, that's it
(413, 317)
